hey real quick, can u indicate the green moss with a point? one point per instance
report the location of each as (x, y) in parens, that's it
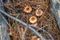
(14, 22)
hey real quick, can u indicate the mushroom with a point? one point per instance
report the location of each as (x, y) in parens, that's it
(34, 24)
(38, 38)
(39, 12)
(33, 19)
(35, 38)
(27, 9)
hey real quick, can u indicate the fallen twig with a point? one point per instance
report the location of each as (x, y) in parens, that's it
(39, 35)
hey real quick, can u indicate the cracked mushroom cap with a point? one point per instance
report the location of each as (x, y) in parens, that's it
(39, 12)
(33, 19)
(27, 9)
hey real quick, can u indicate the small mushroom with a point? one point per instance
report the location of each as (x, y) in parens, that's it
(35, 38)
(34, 24)
(27, 9)
(38, 38)
(39, 12)
(33, 19)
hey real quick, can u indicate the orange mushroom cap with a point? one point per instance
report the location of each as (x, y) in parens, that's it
(35, 38)
(39, 12)
(27, 9)
(33, 19)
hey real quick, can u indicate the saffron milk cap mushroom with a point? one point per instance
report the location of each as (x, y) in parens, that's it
(27, 9)
(33, 19)
(34, 37)
(38, 12)
(38, 38)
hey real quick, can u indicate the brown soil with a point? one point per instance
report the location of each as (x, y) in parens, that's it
(46, 20)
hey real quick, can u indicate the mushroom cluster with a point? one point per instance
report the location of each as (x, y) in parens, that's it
(33, 19)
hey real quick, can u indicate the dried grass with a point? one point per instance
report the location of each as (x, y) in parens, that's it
(46, 21)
